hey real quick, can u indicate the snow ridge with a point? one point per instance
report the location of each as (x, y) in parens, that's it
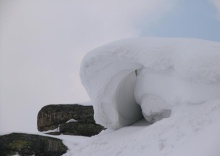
(159, 73)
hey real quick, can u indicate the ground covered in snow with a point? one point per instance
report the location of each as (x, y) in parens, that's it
(191, 130)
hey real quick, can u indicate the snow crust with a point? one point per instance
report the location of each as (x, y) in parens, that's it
(151, 75)
(191, 130)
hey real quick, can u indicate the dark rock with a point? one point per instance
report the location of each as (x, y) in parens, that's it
(54, 133)
(28, 144)
(83, 129)
(51, 116)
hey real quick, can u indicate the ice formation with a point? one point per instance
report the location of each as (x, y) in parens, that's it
(149, 76)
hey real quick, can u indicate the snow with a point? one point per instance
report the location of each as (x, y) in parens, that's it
(87, 103)
(71, 120)
(191, 130)
(149, 76)
(53, 130)
(173, 83)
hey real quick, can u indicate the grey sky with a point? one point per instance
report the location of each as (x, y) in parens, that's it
(43, 42)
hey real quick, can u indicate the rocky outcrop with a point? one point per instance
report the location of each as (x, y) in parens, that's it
(71, 119)
(83, 129)
(28, 144)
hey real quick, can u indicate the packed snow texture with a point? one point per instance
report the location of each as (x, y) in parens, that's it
(149, 76)
(191, 130)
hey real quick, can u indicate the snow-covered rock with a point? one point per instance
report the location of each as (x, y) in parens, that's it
(149, 76)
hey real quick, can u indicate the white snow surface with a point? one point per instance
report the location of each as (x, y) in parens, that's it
(150, 76)
(191, 130)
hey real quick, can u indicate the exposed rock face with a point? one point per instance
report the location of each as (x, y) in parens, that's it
(52, 117)
(28, 144)
(77, 128)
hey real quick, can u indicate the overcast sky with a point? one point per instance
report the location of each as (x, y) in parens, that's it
(42, 43)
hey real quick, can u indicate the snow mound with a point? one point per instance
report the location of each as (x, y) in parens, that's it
(149, 76)
(192, 130)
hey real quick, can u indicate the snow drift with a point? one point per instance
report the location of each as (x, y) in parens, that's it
(192, 130)
(149, 76)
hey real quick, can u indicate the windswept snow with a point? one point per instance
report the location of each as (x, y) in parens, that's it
(152, 75)
(192, 130)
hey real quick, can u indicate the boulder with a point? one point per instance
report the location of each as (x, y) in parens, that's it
(71, 119)
(29, 144)
(83, 129)
(51, 116)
